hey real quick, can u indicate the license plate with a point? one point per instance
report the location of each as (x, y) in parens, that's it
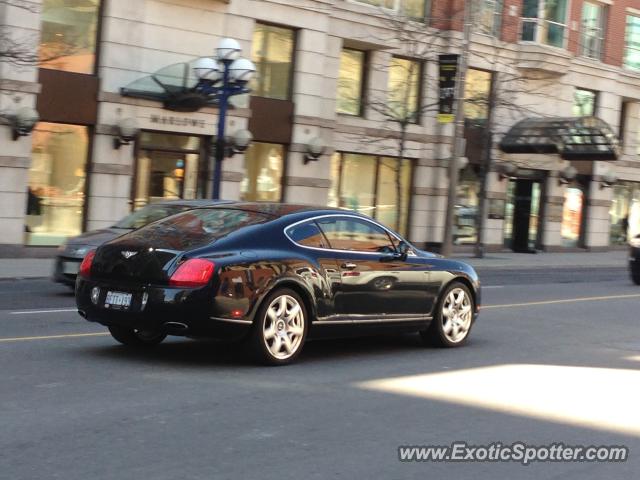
(118, 300)
(70, 268)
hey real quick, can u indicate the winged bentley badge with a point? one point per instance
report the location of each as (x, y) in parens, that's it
(128, 253)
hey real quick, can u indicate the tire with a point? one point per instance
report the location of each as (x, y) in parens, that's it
(136, 338)
(635, 276)
(278, 333)
(453, 319)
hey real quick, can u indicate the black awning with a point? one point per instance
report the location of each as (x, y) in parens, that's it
(580, 138)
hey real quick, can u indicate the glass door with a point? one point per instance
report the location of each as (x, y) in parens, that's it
(522, 213)
(167, 168)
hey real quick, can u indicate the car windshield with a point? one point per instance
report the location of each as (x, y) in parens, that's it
(197, 228)
(147, 214)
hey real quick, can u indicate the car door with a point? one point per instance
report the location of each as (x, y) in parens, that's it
(375, 280)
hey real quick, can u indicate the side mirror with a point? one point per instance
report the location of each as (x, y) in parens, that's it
(403, 249)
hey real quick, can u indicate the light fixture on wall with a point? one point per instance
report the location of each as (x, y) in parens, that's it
(608, 180)
(462, 163)
(314, 150)
(23, 121)
(507, 170)
(567, 175)
(126, 131)
(239, 143)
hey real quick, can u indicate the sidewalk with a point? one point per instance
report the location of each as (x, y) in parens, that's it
(16, 268)
(509, 260)
(11, 268)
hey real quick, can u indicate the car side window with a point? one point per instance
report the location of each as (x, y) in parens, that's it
(346, 233)
(307, 234)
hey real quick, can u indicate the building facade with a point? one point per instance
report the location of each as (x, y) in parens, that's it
(361, 75)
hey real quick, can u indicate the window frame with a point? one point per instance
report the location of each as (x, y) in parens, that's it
(393, 236)
(97, 41)
(364, 70)
(541, 20)
(419, 96)
(496, 18)
(377, 159)
(397, 8)
(596, 96)
(626, 45)
(602, 29)
(294, 51)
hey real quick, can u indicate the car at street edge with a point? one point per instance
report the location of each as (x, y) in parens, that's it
(273, 275)
(74, 249)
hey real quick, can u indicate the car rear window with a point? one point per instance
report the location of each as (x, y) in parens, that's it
(148, 214)
(197, 228)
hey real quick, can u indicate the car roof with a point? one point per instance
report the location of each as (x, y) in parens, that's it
(276, 209)
(202, 202)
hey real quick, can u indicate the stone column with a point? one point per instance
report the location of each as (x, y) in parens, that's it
(18, 88)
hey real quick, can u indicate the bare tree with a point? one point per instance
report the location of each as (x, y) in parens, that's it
(402, 107)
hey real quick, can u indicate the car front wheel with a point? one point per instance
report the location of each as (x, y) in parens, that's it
(136, 338)
(635, 276)
(453, 319)
(280, 328)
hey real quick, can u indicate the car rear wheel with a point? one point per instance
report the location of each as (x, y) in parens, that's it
(280, 328)
(136, 338)
(635, 276)
(452, 322)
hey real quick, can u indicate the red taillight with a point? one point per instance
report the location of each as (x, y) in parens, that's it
(85, 266)
(195, 272)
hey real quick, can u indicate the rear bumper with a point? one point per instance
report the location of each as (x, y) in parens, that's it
(62, 273)
(175, 311)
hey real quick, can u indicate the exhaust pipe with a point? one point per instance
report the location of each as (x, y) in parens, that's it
(176, 326)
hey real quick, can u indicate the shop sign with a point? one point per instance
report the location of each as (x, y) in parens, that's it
(177, 121)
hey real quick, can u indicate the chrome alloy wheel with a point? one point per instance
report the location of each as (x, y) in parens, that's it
(283, 328)
(456, 315)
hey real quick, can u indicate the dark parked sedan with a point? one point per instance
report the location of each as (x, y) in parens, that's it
(274, 275)
(634, 259)
(71, 253)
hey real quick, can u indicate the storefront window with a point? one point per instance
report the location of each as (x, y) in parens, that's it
(372, 185)
(272, 52)
(350, 82)
(168, 168)
(624, 212)
(68, 35)
(55, 196)
(404, 89)
(264, 164)
(465, 231)
(572, 211)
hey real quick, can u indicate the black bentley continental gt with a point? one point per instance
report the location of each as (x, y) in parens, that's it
(273, 275)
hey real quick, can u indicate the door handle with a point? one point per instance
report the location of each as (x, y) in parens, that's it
(348, 266)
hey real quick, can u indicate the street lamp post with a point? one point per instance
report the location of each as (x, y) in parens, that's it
(223, 77)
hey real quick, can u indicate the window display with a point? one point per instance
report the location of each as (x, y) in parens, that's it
(264, 164)
(56, 189)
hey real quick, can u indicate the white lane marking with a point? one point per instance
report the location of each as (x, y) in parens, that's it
(52, 310)
(491, 286)
(53, 337)
(562, 300)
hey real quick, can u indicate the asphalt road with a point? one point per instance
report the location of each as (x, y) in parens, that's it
(553, 358)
